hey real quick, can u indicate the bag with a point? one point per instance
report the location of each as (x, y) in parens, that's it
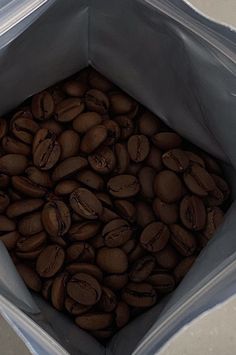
(180, 66)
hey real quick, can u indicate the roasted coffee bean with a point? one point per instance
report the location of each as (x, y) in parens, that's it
(97, 101)
(105, 199)
(26, 187)
(113, 131)
(52, 126)
(116, 281)
(149, 124)
(30, 224)
(142, 268)
(121, 103)
(211, 164)
(117, 232)
(155, 236)
(126, 126)
(14, 146)
(166, 140)
(103, 160)
(108, 215)
(193, 213)
(168, 186)
(162, 282)
(66, 187)
(144, 214)
(50, 261)
(24, 128)
(38, 177)
(112, 260)
(103, 334)
(220, 194)
(94, 321)
(215, 217)
(97, 241)
(168, 257)
(75, 308)
(139, 295)
(3, 128)
(14, 195)
(46, 149)
(56, 218)
(4, 181)
(93, 138)
(6, 224)
(69, 142)
(74, 88)
(123, 186)
(29, 277)
(84, 289)
(176, 160)
(122, 314)
(91, 179)
(198, 180)
(69, 109)
(42, 105)
(84, 230)
(68, 167)
(29, 255)
(98, 81)
(58, 291)
(138, 148)
(182, 240)
(183, 267)
(126, 209)
(9, 239)
(85, 268)
(21, 207)
(154, 159)
(13, 164)
(146, 177)
(83, 252)
(85, 121)
(85, 203)
(36, 241)
(4, 201)
(108, 300)
(166, 212)
(122, 158)
(195, 158)
(46, 289)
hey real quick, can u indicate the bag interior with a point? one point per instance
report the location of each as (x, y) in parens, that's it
(177, 73)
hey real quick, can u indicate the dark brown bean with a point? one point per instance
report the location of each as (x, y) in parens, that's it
(18, 208)
(30, 224)
(56, 218)
(155, 236)
(58, 291)
(183, 240)
(123, 186)
(50, 261)
(126, 126)
(68, 167)
(74, 88)
(66, 187)
(121, 103)
(116, 281)
(138, 148)
(142, 268)
(139, 295)
(112, 260)
(166, 212)
(42, 105)
(27, 187)
(146, 177)
(13, 164)
(84, 230)
(108, 300)
(67, 110)
(38, 177)
(69, 142)
(193, 213)
(167, 140)
(149, 124)
(85, 268)
(162, 282)
(97, 101)
(24, 128)
(122, 314)
(122, 158)
(36, 241)
(198, 180)
(84, 289)
(83, 252)
(144, 214)
(215, 217)
(75, 308)
(103, 160)
(183, 267)
(14, 146)
(176, 160)
(168, 257)
(30, 277)
(85, 203)
(126, 209)
(168, 186)
(154, 159)
(117, 232)
(9, 239)
(94, 321)
(85, 121)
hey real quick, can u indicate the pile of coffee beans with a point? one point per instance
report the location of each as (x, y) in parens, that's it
(103, 207)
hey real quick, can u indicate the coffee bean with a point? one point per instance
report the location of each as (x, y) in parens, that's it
(21, 207)
(50, 261)
(14, 146)
(93, 138)
(155, 236)
(142, 268)
(126, 209)
(116, 281)
(58, 291)
(139, 295)
(166, 140)
(6, 224)
(108, 215)
(122, 314)
(27, 187)
(168, 186)
(211, 164)
(75, 308)
(91, 179)
(97, 241)
(154, 159)
(69, 109)
(195, 159)
(13, 164)
(215, 217)
(193, 213)
(30, 224)
(168, 257)
(121, 103)
(105, 199)
(69, 142)
(4, 181)
(84, 289)
(38, 177)
(122, 158)
(42, 105)
(56, 218)
(183, 267)
(3, 128)
(74, 88)
(35, 242)
(24, 128)
(112, 260)
(126, 126)
(182, 240)
(108, 300)
(116, 232)
(146, 177)
(85, 268)
(162, 282)
(123, 186)
(176, 160)
(68, 167)
(94, 321)
(46, 149)
(4, 201)
(29, 255)
(46, 289)
(198, 180)
(52, 126)
(220, 194)
(9, 239)
(138, 148)
(66, 187)
(166, 212)
(149, 124)
(113, 132)
(84, 230)
(98, 81)
(97, 101)
(85, 203)
(83, 252)
(30, 277)
(144, 214)
(103, 160)
(86, 120)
